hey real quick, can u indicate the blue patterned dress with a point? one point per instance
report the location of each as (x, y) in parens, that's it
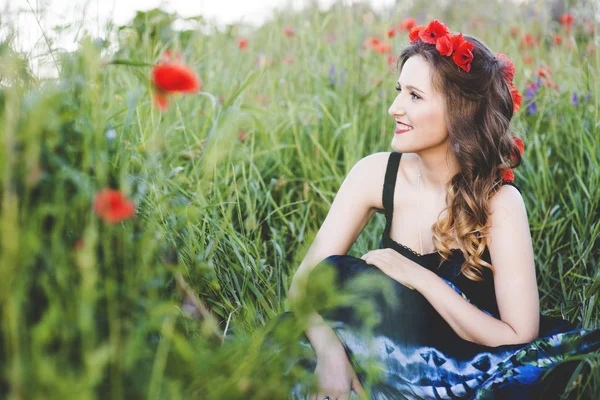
(422, 357)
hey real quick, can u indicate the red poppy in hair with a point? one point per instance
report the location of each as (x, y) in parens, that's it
(414, 33)
(508, 175)
(462, 52)
(433, 32)
(508, 71)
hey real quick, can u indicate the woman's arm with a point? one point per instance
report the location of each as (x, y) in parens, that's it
(469, 322)
(514, 280)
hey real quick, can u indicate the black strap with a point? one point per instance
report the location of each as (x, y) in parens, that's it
(512, 184)
(389, 185)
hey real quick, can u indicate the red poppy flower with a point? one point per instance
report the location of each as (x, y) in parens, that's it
(391, 32)
(243, 43)
(566, 19)
(433, 32)
(407, 24)
(383, 48)
(508, 175)
(444, 45)
(557, 39)
(508, 72)
(112, 206)
(528, 60)
(415, 32)
(543, 72)
(462, 52)
(172, 76)
(370, 42)
(287, 31)
(529, 41)
(516, 96)
(514, 31)
(519, 144)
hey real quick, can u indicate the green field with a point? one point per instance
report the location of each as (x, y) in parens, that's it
(231, 183)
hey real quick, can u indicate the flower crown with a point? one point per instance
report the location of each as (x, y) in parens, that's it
(460, 49)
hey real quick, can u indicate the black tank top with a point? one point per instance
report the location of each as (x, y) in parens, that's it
(481, 293)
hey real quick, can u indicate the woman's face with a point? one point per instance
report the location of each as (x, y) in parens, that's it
(418, 106)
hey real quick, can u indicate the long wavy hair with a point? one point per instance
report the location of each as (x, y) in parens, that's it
(479, 108)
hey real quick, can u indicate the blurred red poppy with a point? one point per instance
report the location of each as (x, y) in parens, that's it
(407, 24)
(383, 48)
(370, 42)
(557, 39)
(391, 32)
(243, 43)
(287, 31)
(514, 31)
(112, 206)
(543, 72)
(529, 40)
(172, 76)
(566, 20)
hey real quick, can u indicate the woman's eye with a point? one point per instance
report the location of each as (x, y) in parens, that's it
(411, 93)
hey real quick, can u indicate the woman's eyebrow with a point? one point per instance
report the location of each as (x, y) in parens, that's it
(412, 88)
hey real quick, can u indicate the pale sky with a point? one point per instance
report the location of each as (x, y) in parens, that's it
(32, 17)
(96, 12)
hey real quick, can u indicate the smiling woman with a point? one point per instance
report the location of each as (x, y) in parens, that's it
(460, 317)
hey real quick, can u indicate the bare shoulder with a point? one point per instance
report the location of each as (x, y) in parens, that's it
(508, 215)
(506, 200)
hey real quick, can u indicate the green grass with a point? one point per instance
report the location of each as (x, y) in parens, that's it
(225, 223)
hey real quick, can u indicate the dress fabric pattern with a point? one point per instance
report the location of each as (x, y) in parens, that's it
(422, 356)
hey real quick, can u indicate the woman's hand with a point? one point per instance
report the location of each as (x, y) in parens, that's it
(336, 378)
(395, 265)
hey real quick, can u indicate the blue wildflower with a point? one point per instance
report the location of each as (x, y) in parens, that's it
(332, 75)
(531, 109)
(574, 99)
(529, 93)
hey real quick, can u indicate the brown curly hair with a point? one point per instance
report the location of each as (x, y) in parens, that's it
(479, 110)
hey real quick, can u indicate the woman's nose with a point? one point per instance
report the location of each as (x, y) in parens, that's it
(395, 109)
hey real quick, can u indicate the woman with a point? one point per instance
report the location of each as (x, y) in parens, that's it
(464, 321)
